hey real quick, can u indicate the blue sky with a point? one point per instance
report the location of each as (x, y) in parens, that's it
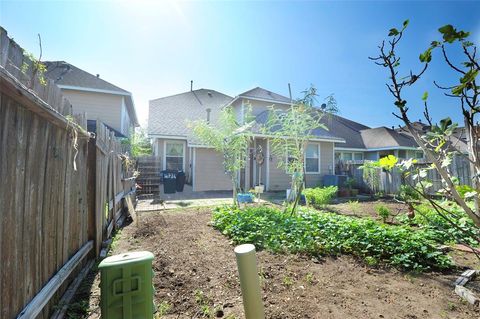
(154, 48)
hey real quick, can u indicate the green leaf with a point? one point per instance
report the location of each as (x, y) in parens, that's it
(445, 123)
(393, 32)
(450, 34)
(425, 96)
(426, 56)
(405, 23)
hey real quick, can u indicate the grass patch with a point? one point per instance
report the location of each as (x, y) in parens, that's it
(317, 233)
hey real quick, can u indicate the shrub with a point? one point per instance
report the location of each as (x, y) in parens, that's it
(320, 196)
(327, 233)
(443, 231)
(383, 212)
(407, 192)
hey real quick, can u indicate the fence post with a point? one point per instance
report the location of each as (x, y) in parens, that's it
(92, 195)
(249, 282)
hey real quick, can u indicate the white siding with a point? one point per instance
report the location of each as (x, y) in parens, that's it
(98, 106)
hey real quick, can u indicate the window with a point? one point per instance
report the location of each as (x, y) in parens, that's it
(312, 157)
(402, 154)
(174, 155)
(358, 156)
(347, 156)
(338, 156)
(419, 155)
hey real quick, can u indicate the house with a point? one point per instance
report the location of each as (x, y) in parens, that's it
(365, 143)
(343, 141)
(99, 99)
(174, 142)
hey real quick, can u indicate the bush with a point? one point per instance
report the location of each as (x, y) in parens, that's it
(407, 192)
(444, 232)
(327, 233)
(383, 212)
(320, 196)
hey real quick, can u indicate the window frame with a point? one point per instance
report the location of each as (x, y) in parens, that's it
(318, 158)
(165, 142)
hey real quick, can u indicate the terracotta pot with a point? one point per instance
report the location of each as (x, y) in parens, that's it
(343, 192)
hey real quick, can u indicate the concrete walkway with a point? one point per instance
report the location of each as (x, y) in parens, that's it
(189, 198)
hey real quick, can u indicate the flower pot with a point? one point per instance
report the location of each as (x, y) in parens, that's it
(245, 198)
(343, 192)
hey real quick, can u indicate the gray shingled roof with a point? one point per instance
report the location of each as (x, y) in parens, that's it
(346, 129)
(263, 94)
(66, 74)
(170, 115)
(382, 137)
(321, 133)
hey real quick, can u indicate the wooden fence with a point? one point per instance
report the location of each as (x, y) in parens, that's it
(390, 181)
(57, 197)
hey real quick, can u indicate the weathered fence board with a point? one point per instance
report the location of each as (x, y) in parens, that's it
(49, 205)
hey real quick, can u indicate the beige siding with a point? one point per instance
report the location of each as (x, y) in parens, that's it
(326, 165)
(126, 123)
(209, 173)
(280, 180)
(98, 106)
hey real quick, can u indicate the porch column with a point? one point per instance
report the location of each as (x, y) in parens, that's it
(267, 169)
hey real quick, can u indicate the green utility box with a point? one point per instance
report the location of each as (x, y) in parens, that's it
(126, 286)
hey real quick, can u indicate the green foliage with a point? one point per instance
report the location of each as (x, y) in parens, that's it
(408, 193)
(138, 143)
(320, 196)
(327, 233)
(388, 162)
(292, 130)
(441, 230)
(350, 182)
(229, 138)
(38, 68)
(371, 175)
(383, 212)
(163, 308)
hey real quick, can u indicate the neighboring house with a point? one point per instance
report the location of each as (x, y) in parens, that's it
(365, 143)
(174, 142)
(99, 99)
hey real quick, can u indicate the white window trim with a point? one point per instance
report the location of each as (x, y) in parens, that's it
(165, 152)
(342, 157)
(305, 159)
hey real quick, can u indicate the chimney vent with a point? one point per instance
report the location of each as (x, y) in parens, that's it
(191, 85)
(208, 114)
(98, 75)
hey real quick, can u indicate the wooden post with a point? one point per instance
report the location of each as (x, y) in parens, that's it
(249, 282)
(92, 195)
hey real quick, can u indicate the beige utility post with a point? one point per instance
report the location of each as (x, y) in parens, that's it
(249, 282)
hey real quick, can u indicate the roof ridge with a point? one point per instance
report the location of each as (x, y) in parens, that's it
(186, 92)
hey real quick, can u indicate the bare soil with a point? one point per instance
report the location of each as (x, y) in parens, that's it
(196, 276)
(368, 209)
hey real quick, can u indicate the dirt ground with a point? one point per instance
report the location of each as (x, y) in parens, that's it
(196, 276)
(368, 208)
